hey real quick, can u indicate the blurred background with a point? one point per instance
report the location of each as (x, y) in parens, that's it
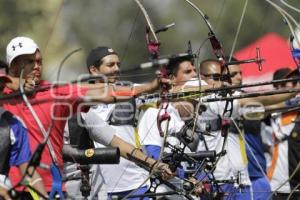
(61, 26)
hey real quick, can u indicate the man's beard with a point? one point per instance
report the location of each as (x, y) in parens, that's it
(113, 77)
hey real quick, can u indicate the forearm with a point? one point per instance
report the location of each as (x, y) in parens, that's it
(189, 88)
(35, 181)
(275, 106)
(268, 100)
(128, 149)
(105, 93)
(4, 193)
(146, 88)
(5, 185)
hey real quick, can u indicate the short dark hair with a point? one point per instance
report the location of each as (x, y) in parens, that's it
(173, 65)
(95, 56)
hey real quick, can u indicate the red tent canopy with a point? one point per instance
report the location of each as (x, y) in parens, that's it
(276, 52)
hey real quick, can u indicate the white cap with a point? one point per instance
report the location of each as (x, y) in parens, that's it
(20, 46)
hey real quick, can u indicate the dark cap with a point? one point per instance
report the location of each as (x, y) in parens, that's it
(97, 54)
(281, 73)
(293, 73)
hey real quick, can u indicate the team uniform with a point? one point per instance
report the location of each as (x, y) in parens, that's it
(285, 156)
(98, 131)
(233, 163)
(255, 134)
(148, 130)
(153, 142)
(116, 177)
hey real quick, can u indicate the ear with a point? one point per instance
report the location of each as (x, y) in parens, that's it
(13, 70)
(93, 70)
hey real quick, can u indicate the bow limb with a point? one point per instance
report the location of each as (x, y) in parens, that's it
(153, 47)
(216, 45)
(155, 44)
(63, 61)
(288, 18)
(204, 16)
(290, 6)
(219, 53)
(38, 121)
(147, 20)
(238, 30)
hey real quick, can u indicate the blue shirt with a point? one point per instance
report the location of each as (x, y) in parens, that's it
(20, 150)
(256, 145)
(253, 138)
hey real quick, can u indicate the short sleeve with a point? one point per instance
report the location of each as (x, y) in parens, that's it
(98, 129)
(20, 151)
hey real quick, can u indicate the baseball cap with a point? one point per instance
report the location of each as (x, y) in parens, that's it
(97, 54)
(19, 46)
(292, 73)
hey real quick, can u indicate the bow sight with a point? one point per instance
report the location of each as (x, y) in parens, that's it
(258, 60)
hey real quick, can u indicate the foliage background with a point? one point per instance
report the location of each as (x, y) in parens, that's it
(60, 26)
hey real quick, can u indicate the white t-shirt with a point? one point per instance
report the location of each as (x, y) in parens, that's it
(126, 175)
(150, 135)
(99, 131)
(235, 150)
(224, 169)
(148, 129)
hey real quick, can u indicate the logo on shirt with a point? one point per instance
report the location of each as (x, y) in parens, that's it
(110, 50)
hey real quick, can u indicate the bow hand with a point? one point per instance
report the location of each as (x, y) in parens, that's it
(163, 170)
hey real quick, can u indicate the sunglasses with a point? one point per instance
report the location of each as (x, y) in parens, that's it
(217, 77)
(233, 74)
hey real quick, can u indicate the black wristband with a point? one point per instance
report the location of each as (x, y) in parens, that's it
(133, 150)
(152, 166)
